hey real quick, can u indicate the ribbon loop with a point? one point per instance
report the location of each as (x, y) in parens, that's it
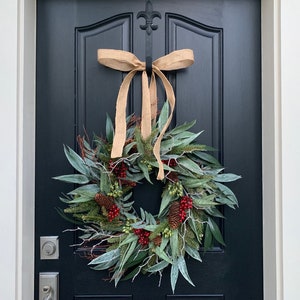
(127, 62)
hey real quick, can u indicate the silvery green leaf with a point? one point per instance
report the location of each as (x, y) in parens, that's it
(191, 222)
(155, 164)
(145, 171)
(226, 177)
(174, 275)
(227, 192)
(190, 165)
(150, 219)
(128, 147)
(92, 188)
(178, 129)
(73, 178)
(82, 198)
(106, 265)
(195, 183)
(162, 254)
(130, 238)
(188, 140)
(174, 244)
(165, 201)
(135, 177)
(143, 216)
(193, 253)
(106, 257)
(213, 212)
(109, 129)
(127, 197)
(158, 267)
(104, 183)
(163, 116)
(76, 161)
(207, 239)
(150, 227)
(207, 157)
(215, 230)
(204, 201)
(183, 269)
(164, 243)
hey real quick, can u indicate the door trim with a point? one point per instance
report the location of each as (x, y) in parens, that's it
(25, 146)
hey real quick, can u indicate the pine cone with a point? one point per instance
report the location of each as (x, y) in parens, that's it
(105, 201)
(174, 215)
(157, 240)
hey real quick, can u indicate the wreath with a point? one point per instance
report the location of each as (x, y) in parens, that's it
(135, 242)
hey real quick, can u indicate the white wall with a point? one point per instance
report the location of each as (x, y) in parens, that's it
(281, 108)
(290, 118)
(17, 124)
(8, 146)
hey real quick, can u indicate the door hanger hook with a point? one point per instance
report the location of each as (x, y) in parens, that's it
(149, 14)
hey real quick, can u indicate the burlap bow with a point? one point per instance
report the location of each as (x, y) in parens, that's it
(128, 62)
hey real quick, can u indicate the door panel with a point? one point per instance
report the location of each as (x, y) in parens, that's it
(221, 91)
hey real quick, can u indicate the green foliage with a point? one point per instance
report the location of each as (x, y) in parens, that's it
(137, 242)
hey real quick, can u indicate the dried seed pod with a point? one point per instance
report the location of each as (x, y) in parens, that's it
(105, 201)
(174, 215)
(157, 240)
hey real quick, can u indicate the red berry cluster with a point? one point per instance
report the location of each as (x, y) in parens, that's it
(113, 212)
(186, 203)
(170, 162)
(119, 169)
(143, 236)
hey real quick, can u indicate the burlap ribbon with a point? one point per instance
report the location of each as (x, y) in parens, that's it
(128, 62)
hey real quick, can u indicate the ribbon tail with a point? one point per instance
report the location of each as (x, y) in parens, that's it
(120, 118)
(146, 108)
(171, 100)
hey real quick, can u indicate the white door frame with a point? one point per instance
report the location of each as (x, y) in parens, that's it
(17, 74)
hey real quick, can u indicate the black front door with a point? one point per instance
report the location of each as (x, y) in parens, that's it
(222, 91)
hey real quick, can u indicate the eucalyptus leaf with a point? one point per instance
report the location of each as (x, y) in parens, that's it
(130, 249)
(129, 239)
(109, 129)
(195, 183)
(82, 198)
(207, 239)
(204, 201)
(227, 192)
(106, 257)
(76, 161)
(145, 171)
(73, 178)
(174, 275)
(207, 157)
(190, 165)
(178, 129)
(215, 230)
(92, 188)
(162, 254)
(104, 183)
(165, 201)
(213, 211)
(106, 265)
(226, 177)
(174, 244)
(163, 116)
(193, 253)
(158, 267)
(183, 269)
